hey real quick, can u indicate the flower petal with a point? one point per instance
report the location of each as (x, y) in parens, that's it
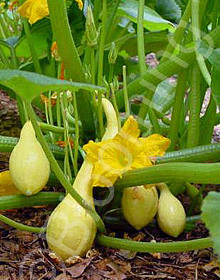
(155, 145)
(103, 178)
(34, 10)
(80, 4)
(140, 161)
(130, 127)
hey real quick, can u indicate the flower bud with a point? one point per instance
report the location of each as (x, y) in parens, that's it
(113, 54)
(91, 32)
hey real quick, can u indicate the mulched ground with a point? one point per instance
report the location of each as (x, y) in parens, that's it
(25, 255)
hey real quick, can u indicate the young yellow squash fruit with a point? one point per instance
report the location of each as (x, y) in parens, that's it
(71, 230)
(171, 216)
(139, 205)
(6, 185)
(28, 164)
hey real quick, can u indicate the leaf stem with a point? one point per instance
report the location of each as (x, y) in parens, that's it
(140, 36)
(127, 107)
(168, 247)
(178, 34)
(20, 201)
(21, 226)
(53, 128)
(70, 58)
(194, 109)
(201, 173)
(177, 109)
(176, 63)
(100, 52)
(197, 38)
(76, 140)
(32, 47)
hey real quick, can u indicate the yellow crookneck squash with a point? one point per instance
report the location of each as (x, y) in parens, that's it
(71, 230)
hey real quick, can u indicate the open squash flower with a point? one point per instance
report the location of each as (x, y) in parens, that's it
(35, 10)
(126, 151)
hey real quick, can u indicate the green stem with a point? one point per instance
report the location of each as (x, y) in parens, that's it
(3, 29)
(194, 109)
(204, 153)
(20, 201)
(177, 109)
(4, 59)
(93, 73)
(145, 106)
(174, 65)
(7, 144)
(111, 72)
(167, 247)
(97, 8)
(112, 17)
(58, 110)
(140, 36)
(100, 116)
(127, 107)
(53, 128)
(70, 57)
(154, 121)
(207, 123)
(197, 38)
(100, 52)
(76, 140)
(67, 170)
(48, 122)
(32, 47)
(58, 172)
(114, 102)
(21, 108)
(65, 43)
(178, 35)
(21, 226)
(178, 172)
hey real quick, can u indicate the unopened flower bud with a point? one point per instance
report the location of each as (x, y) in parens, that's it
(113, 54)
(91, 32)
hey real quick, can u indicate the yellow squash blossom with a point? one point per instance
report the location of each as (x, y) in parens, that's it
(124, 152)
(35, 10)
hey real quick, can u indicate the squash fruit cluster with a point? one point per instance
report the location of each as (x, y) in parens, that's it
(140, 204)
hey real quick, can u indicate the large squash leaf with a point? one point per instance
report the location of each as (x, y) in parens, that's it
(29, 85)
(152, 20)
(169, 9)
(210, 215)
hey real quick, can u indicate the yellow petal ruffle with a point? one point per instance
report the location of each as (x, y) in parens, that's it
(124, 152)
(34, 10)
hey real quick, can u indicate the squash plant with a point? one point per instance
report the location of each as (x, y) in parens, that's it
(94, 58)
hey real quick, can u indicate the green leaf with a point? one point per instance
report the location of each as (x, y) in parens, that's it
(29, 85)
(152, 20)
(169, 10)
(215, 74)
(164, 94)
(210, 215)
(154, 42)
(41, 35)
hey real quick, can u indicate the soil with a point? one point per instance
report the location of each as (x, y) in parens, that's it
(25, 255)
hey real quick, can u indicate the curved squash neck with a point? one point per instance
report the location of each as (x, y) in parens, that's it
(83, 183)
